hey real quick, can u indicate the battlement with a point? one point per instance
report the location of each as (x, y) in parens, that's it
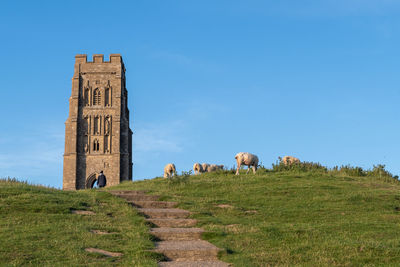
(98, 58)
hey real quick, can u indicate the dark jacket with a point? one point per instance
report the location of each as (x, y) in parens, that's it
(101, 180)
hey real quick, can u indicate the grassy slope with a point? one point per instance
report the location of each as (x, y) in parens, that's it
(37, 228)
(291, 219)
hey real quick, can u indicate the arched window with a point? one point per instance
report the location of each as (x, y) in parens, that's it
(96, 97)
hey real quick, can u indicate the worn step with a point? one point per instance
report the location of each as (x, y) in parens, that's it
(153, 204)
(173, 222)
(170, 234)
(133, 198)
(100, 232)
(165, 213)
(127, 192)
(193, 264)
(104, 252)
(83, 212)
(198, 250)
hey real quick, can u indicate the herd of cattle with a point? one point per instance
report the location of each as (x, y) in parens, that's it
(242, 158)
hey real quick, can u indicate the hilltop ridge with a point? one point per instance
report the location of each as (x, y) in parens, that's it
(282, 217)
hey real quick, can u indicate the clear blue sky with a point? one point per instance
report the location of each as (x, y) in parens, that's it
(318, 80)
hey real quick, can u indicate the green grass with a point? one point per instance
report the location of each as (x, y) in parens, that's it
(37, 228)
(291, 218)
(298, 217)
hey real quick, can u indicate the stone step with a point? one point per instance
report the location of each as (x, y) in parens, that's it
(170, 234)
(83, 212)
(104, 252)
(127, 192)
(198, 250)
(100, 232)
(153, 204)
(165, 213)
(193, 264)
(173, 222)
(132, 198)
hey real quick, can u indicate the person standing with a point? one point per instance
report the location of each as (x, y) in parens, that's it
(101, 180)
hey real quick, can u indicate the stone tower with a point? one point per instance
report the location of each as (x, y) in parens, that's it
(97, 133)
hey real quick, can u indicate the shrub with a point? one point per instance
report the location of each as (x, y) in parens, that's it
(299, 167)
(179, 179)
(379, 171)
(347, 170)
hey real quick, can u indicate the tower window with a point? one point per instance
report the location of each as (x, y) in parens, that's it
(96, 145)
(96, 97)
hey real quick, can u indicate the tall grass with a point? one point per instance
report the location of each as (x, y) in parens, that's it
(299, 167)
(12, 180)
(378, 171)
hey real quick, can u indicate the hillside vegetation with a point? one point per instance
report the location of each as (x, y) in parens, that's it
(37, 228)
(304, 215)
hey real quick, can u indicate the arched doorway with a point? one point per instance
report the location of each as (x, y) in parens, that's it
(90, 181)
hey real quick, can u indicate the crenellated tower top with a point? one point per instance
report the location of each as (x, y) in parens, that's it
(98, 58)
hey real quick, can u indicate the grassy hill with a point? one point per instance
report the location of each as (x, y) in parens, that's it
(284, 218)
(37, 228)
(292, 218)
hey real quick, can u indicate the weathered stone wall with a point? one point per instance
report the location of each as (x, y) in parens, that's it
(97, 132)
